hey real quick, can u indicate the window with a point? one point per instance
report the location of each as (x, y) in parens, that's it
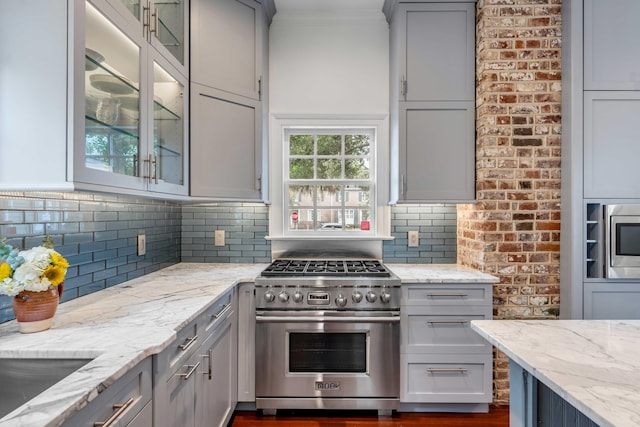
(322, 167)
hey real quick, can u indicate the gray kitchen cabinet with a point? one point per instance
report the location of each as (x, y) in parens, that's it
(601, 105)
(246, 343)
(127, 402)
(432, 101)
(611, 54)
(217, 383)
(194, 383)
(114, 122)
(229, 74)
(226, 145)
(444, 365)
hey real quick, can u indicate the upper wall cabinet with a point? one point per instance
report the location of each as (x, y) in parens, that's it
(165, 24)
(110, 110)
(611, 54)
(229, 54)
(432, 101)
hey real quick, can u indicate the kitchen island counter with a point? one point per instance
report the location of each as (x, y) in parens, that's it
(594, 365)
(116, 327)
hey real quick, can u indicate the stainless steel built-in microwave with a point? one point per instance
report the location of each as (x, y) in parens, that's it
(622, 236)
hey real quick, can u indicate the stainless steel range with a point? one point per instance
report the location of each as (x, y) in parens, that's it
(327, 335)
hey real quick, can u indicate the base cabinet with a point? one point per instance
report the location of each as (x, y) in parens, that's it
(127, 402)
(193, 382)
(442, 361)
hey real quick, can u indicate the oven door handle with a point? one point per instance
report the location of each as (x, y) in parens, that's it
(336, 319)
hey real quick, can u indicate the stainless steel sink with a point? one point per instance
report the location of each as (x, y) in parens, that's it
(23, 379)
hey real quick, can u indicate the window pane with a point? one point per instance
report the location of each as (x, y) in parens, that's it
(356, 168)
(304, 220)
(329, 195)
(329, 145)
(356, 145)
(301, 145)
(330, 219)
(329, 169)
(301, 168)
(301, 195)
(359, 196)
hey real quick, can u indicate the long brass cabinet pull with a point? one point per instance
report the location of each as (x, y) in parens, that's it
(457, 294)
(189, 343)
(120, 409)
(448, 321)
(192, 369)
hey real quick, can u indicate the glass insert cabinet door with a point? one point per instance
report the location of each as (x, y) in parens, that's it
(163, 22)
(168, 127)
(112, 98)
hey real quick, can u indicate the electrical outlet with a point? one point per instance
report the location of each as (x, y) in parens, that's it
(142, 244)
(218, 239)
(414, 239)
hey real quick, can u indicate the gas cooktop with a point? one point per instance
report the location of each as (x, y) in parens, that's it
(361, 268)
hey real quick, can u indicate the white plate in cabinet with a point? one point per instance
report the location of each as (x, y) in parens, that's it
(446, 378)
(442, 330)
(458, 294)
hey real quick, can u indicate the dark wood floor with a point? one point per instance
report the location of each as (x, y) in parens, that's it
(498, 416)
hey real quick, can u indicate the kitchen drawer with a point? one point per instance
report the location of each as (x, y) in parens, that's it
(127, 397)
(446, 378)
(175, 355)
(442, 330)
(443, 294)
(219, 310)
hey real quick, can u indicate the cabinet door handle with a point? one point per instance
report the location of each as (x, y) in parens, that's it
(460, 294)
(403, 185)
(120, 409)
(146, 17)
(460, 321)
(403, 87)
(432, 371)
(156, 20)
(189, 343)
(192, 369)
(260, 89)
(208, 356)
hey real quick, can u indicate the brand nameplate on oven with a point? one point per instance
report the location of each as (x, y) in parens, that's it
(327, 385)
(318, 298)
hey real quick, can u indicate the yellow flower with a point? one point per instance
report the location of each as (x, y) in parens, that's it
(5, 271)
(59, 261)
(54, 274)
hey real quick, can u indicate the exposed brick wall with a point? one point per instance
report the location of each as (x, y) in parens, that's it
(513, 231)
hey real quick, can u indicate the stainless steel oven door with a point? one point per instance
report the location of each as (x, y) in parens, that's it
(327, 360)
(622, 241)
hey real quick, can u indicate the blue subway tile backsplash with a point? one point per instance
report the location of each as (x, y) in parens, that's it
(97, 233)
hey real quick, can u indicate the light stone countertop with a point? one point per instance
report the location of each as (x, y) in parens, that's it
(439, 273)
(592, 364)
(120, 326)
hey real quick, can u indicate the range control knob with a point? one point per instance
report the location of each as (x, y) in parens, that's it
(385, 296)
(341, 300)
(298, 296)
(269, 296)
(371, 296)
(283, 296)
(356, 296)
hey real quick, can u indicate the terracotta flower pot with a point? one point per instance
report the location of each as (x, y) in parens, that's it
(35, 310)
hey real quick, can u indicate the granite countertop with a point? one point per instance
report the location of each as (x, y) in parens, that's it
(119, 327)
(122, 325)
(592, 364)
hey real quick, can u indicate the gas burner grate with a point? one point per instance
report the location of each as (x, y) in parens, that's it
(362, 268)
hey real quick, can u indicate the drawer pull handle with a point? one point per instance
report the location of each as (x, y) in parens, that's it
(192, 369)
(219, 314)
(432, 371)
(456, 294)
(448, 321)
(190, 341)
(120, 409)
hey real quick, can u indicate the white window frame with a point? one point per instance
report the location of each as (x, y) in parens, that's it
(278, 215)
